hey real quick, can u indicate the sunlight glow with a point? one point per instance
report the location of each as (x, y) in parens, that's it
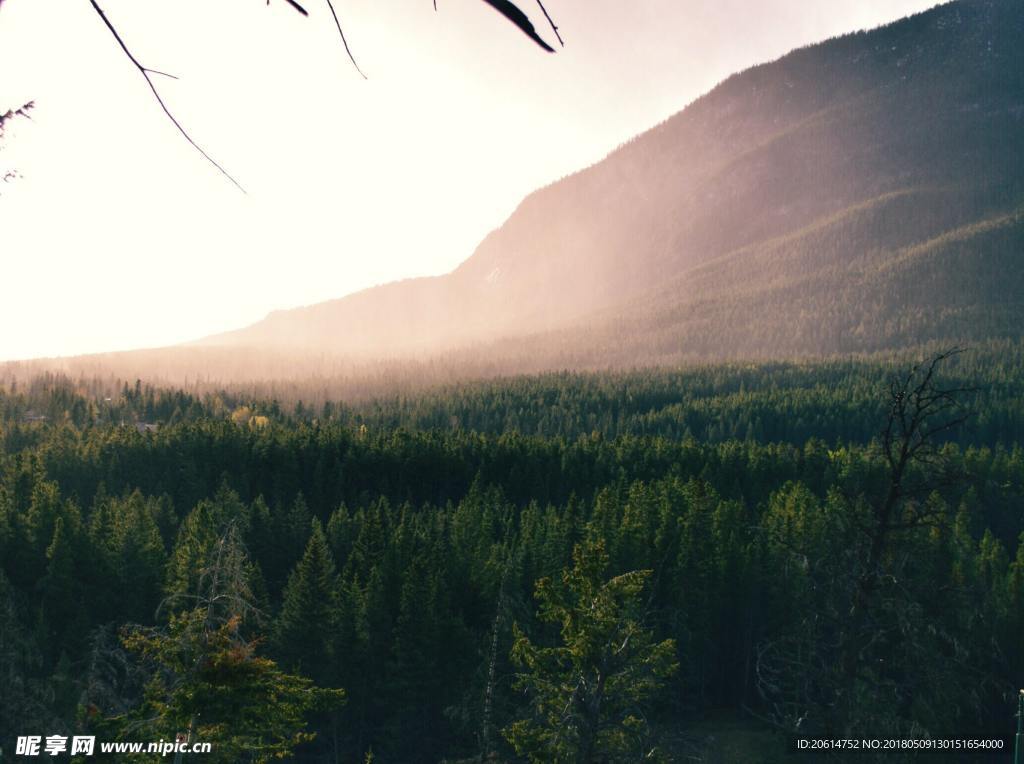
(119, 235)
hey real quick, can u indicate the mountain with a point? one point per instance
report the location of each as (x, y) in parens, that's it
(859, 195)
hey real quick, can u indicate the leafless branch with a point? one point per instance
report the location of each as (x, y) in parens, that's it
(162, 74)
(296, 6)
(512, 12)
(343, 40)
(145, 72)
(550, 21)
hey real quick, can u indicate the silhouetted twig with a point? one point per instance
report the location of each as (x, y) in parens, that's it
(294, 5)
(162, 74)
(511, 12)
(343, 40)
(145, 72)
(554, 28)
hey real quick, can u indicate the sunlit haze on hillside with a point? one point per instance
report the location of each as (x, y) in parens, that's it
(117, 234)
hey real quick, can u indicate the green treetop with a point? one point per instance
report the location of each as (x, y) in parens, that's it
(587, 692)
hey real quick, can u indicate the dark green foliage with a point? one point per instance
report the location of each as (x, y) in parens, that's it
(389, 551)
(213, 684)
(381, 528)
(308, 623)
(588, 692)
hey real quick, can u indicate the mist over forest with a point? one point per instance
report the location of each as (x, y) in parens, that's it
(712, 447)
(855, 196)
(861, 195)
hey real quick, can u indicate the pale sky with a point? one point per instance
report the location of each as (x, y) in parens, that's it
(119, 235)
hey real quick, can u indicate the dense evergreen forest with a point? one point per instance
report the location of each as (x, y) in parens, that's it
(387, 528)
(790, 546)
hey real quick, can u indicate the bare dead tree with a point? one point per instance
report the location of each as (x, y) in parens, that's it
(862, 609)
(920, 412)
(117, 676)
(223, 591)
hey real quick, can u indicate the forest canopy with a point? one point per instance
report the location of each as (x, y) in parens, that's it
(424, 554)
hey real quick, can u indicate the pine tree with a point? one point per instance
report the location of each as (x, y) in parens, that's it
(207, 678)
(24, 702)
(585, 692)
(197, 538)
(140, 557)
(306, 627)
(213, 684)
(62, 608)
(417, 684)
(40, 521)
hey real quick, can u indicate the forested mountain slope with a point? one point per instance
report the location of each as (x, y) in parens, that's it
(864, 193)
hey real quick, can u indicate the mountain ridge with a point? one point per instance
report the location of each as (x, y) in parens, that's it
(775, 215)
(819, 118)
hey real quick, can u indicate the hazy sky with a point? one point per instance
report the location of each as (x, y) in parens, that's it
(119, 235)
